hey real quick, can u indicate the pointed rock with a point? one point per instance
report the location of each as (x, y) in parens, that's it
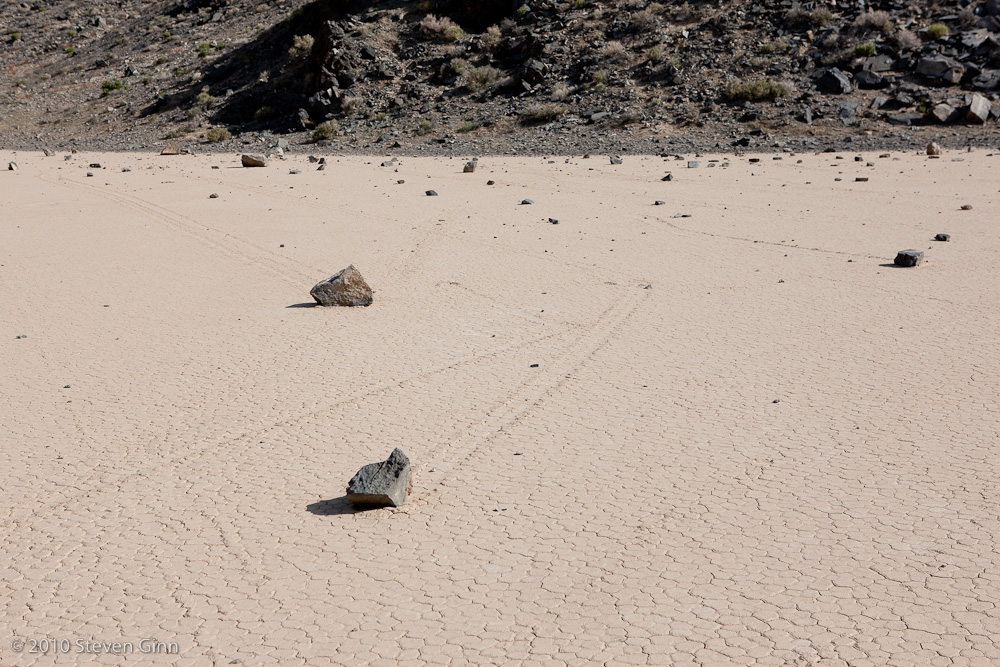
(344, 288)
(171, 149)
(908, 258)
(383, 484)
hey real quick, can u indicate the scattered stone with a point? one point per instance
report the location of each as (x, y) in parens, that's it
(554, 221)
(66, 386)
(668, 177)
(213, 196)
(490, 182)
(125, 170)
(945, 113)
(294, 171)
(313, 159)
(12, 166)
(941, 70)
(942, 237)
(979, 110)
(835, 81)
(533, 366)
(344, 288)
(518, 453)
(469, 167)
(966, 207)
(20, 337)
(659, 202)
(777, 400)
(431, 193)
(171, 149)
(250, 160)
(383, 484)
(693, 164)
(90, 174)
(321, 167)
(95, 165)
(47, 152)
(616, 159)
(274, 152)
(322, 160)
(861, 179)
(908, 258)
(215, 166)
(525, 202)
(933, 148)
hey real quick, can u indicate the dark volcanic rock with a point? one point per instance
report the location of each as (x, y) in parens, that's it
(383, 484)
(942, 237)
(908, 258)
(835, 81)
(344, 288)
(941, 70)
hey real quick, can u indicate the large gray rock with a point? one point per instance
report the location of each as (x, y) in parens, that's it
(942, 69)
(979, 110)
(383, 484)
(835, 81)
(908, 258)
(945, 113)
(344, 288)
(253, 160)
(933, 148)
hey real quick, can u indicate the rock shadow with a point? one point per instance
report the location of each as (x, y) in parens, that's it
(333, 507)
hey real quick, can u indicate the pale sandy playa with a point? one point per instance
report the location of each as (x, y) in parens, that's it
(188, 484)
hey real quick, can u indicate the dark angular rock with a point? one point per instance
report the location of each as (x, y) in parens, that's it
(945, 113)
(908, 258)
(942, 237)
(431, 193)
(979, 110)
(12, 166)
(344, 288)
(668, 177)
(383, 484)
(869, 79)
(616, 159)
(941, 69)
(470, 167)
(878, 64)
(249, 160)
(527, 201)
(835, 81)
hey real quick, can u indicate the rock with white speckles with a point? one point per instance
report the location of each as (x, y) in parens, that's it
(344, 288)
(383, 484)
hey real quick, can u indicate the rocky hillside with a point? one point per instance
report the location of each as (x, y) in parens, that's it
(542, 75)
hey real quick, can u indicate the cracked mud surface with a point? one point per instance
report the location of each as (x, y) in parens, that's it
(663, 510)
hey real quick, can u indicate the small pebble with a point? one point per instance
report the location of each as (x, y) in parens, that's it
(431, 193)
(527, 201)
(490, 182)
(213, 196)
(534, 365)
(966, 207)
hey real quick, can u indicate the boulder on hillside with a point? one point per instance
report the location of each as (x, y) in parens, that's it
(979, 110)
(835, 81)
(941, 70)
(344, 288)
(383, 484)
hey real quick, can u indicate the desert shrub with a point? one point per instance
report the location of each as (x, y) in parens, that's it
(906, 40)
(302, 46)
(70, 51)
(491, 38)
(326, 130)
(263, 113)
(15, 36)
(754, 91)
(937, 30)
(864, 50)
(579, 4)
(217, 134)
(204, 49)
(481, 77)
(542, 113)
(468, 126)
(599, 78)
(771, 47)
(877, 21)
(160, 60)
(441, 28)
(967, 17)
(799, 16)
(425, 126)
(644, 22)
(560, 92)
(614, 52)
(351, 105)
(459, 66)
(108, 86)
(181, 71)
(655, 54)
(204, 99)
(522, 11)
